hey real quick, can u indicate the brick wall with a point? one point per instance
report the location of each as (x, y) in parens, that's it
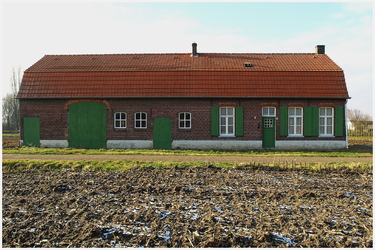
(53, 114)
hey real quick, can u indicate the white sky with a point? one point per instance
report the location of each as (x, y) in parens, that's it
(31, 30)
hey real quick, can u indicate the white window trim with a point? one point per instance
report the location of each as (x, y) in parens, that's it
(126, 119)
(140, 120)
(184, 120)
(268, 112)
(295, 123)
(325, 122)
(234, 122)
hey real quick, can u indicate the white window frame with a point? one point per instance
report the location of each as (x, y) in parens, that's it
(325, 118)
(140, 120)
(120, 120)
(267, 113)
(227, 117)
(184, 120)
(294, 125)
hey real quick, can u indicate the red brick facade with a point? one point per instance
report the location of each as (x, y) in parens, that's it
(53, 114)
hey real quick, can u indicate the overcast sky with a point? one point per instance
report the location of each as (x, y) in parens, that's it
(32, 30)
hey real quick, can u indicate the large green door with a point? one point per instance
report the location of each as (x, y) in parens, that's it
(87, 125)
(162, 133)
(31, 131)
(268, 132)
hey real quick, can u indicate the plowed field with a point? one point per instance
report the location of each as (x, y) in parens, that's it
(187, 207)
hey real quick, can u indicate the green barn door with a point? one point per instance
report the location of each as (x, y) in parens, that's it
(87, 125)
(31, 131)
(268, 132)
(162, 133)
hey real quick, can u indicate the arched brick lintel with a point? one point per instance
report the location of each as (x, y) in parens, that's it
(68, 103)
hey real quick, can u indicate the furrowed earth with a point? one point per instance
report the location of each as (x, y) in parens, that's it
(201, 206)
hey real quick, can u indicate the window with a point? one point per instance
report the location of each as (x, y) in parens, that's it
(295, 121)
(326, 121)
(227, 121)
(140, 120)
(268, 111)
(120, 120)
(185, 120)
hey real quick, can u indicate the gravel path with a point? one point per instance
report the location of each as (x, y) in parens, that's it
(238, 159)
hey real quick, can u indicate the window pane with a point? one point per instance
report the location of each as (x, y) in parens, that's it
(188, 124)
(222, 130)
(291, 121)
(291, 130)
(223, 111)
(117, 124)
(299, 121)
(321, 130)
(223, 121)
(230, 120)
(299, 130)
(321, 121)
(271, 111)
(143, 124)
(137, 124)
(143, 116)
(291, 111)
(182, 124)
(329, 130)
(298, 111)
(329, 121)
(117, 115)
(329, 111)
(138, 116)
(230, 111)
(230, 130)
(265, 111)
(181, 116)
(123, 124)
(322, 111)
(187, 116)
(123, 116)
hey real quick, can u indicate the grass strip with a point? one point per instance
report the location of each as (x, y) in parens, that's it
(28, 165)
(353, 152)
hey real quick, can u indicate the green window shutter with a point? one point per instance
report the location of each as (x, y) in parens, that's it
(339, 121)
(239, 121)
(283, 121)
(311, 121)
(214, 121)
(315, 121)
(308, 121)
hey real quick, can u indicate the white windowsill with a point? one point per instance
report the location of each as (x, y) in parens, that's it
(327, 136)
(296, 136)
(227, 136)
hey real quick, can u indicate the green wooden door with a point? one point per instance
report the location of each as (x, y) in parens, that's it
(268, 132)
(162, 133)
(87, 125)
(31, 131)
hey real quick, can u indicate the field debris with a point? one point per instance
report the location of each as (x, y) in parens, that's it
(202, 206)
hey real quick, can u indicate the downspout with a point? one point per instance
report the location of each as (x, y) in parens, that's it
(346, 125)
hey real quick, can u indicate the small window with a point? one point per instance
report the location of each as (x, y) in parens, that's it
(269, 111)
(120, 120)
(140, 120)
(326, 121)
(185, 120)
(227, 121)
(295, 121)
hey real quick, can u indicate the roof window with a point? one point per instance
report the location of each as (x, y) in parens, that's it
(247, 64)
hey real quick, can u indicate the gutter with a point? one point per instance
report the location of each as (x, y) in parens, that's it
(346, 125)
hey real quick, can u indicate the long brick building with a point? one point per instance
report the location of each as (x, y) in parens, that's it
(185, 100)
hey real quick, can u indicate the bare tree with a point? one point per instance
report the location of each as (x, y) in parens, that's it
(355, 115)
(11, 105)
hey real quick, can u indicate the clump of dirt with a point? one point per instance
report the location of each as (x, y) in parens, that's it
(186, 207)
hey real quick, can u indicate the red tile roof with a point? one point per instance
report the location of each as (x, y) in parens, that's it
(180, 75)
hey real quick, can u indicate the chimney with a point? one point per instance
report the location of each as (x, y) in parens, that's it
(320, 49)
(194, 54)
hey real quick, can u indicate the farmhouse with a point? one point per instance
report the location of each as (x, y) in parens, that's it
(185, 100)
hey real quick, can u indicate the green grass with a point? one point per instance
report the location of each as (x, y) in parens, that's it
(27, 165)
(351, 152)
(11, 134)
(370, 138)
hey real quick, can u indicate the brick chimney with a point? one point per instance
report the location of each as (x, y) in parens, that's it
(320, 49)
(195, 53)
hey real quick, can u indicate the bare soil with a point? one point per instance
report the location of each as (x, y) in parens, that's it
(11, 141)
(187, 207)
